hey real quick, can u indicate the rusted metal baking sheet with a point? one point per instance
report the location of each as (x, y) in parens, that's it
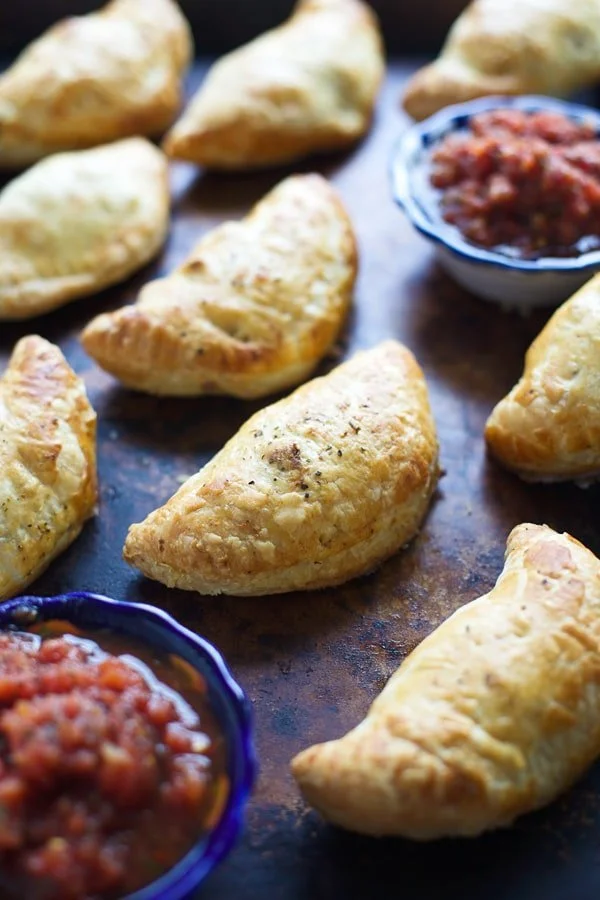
(312, 663)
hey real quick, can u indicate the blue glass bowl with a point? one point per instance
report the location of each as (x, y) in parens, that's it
(227, 700)
(514, 283)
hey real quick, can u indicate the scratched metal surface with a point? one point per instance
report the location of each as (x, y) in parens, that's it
(312, 663)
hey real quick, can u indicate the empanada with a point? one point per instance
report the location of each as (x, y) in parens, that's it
(309, 85)
(47, 461)
(78, 222)
(511, 47)
(312, 491)
(548, 427)
(94, 79)
(252, 310)
(492, 716)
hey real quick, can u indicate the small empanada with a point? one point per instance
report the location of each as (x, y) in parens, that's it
(492, 716)
(511, 47)
(548, 427)
(308, 86)
(252, 310)
(312, 491)
(47, 461)
(78, 222)
(94, 79)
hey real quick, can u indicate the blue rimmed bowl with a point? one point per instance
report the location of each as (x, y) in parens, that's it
(515, 283)
(228, 703)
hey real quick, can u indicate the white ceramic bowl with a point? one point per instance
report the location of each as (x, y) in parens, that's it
(514, 283)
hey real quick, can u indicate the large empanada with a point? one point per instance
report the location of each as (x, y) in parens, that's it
(47, 461)
(511, 47)
(252, 310)
(492, 716)
(312, 491)
(94, 79)
(78, 222)
(309, 85)
(548, 427)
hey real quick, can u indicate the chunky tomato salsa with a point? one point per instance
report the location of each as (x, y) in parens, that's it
(526, 183)
(106, 776)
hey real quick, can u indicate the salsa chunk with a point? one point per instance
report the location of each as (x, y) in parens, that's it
(107, 778)
(526, 183)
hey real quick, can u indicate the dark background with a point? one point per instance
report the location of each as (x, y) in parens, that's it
(410, 26)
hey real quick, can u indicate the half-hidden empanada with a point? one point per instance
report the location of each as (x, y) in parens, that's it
(78, 222)
(548, 427)
(511, 47)
(312, 491)
(252, 310)
(47, 461)
(94, 79)
(309, 85)
(492, 716)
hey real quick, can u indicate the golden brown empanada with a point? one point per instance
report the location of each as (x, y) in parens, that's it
(312, 491)
(47, 461)
(492, 716)
(309, 85)
(252, 310)
(94, 79)
(511, 47)
(548, 427)
(78, 222)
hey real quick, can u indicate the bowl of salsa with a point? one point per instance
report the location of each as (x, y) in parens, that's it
(126, 752)
(508, 191)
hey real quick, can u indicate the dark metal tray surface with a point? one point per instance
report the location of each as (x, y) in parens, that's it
(313, 662)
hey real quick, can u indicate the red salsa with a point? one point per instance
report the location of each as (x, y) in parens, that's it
(110, 767)
(525, 183)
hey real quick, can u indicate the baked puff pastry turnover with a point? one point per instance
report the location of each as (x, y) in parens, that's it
(548, 427)
(309, 85)
(492, 716)
(252, 310)
(47, 461)
(94, 79)
(511, 47)
(78, 222)
(312, 491)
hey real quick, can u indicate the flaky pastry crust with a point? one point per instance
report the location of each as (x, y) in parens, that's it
(309, 85)
(493, 715)
(251, 310)
(548, 427)
(78, 222)
(312, 491)
(511, 47)
(94, 79)
(47, 461)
